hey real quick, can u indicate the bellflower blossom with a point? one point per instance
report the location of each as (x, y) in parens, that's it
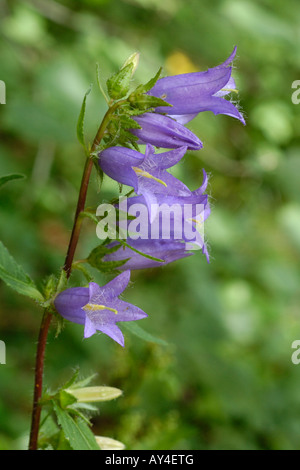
(172, 217)
(166, 250)
(192, 93)
(145, 173)
(99, 308)
(163, 131)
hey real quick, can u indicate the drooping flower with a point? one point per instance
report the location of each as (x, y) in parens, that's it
(173, 216)
(165, 250)
(192, 93)
(165, 132)
(145, 173)
(99, 307)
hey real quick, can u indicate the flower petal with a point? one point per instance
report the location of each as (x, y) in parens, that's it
(117, 285)
(114, 332)
(69, 304)
(162, 131)
(117, 162)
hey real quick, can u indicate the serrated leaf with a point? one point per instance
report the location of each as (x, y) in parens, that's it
(76, 431)
(142, 334)
(118, 84)
(12, 176)
(80, 122)
(15, 277)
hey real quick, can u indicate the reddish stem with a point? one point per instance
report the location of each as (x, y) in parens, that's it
(39, 367)
(42, 340)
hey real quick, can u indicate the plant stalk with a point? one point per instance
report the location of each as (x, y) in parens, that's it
(47, 317)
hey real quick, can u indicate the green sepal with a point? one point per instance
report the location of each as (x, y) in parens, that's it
(66, 399)
(146, 102)
(95, 259)
(118, 84)
(80, 267)
(150, 84)
(140, 252)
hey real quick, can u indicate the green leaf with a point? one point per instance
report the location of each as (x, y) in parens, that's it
(12, 176)
(14, 276)
(76, 430)
(119, 83)
(80, 122)
(142, 334)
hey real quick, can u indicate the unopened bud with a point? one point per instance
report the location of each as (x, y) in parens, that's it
(134, 60)
(106, 443)
(91, 394)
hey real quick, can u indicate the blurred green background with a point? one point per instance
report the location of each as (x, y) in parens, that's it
(226, 379)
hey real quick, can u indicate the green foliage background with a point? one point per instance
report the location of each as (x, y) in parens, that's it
(226, 380)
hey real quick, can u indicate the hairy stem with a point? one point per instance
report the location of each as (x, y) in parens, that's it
(46, 321)
(39, 367)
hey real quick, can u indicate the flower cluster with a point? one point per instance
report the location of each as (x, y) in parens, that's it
(173, 102)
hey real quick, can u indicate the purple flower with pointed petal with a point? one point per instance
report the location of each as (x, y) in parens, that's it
(145, 173)
(192, 93)
(172, 217)
(163, 131)
(99, 308)
(167, 250)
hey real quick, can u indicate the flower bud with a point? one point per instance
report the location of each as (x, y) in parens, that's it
(106, 443)
(134, 60)
(93, 394)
